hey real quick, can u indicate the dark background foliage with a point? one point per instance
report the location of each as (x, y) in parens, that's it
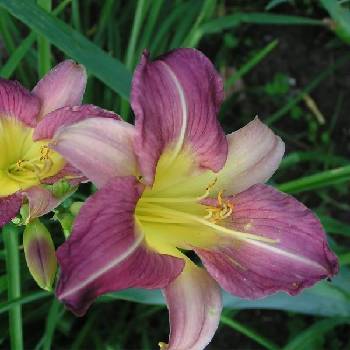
(286, 61)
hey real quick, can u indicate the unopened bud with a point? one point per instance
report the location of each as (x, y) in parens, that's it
(40, 254)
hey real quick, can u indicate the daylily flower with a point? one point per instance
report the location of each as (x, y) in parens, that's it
(26, 162)
(173, 183)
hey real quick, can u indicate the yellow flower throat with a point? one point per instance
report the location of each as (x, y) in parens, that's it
(172, 213)
(23, 162)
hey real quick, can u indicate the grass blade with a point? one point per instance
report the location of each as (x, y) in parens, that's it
(226, 22)
(12, 63)
(55, 313)
(311, 86)
(44, 48)
(322, 179)
(247, 67)
(335, 226)
(111, 71)
(4, 307)
(10, 236)
(304, 340)
(236, 326)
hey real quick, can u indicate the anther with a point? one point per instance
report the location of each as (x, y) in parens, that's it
(44, 150)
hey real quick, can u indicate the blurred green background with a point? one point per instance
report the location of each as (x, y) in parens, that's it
(288, 62)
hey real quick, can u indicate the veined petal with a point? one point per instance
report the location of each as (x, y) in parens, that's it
(69, 173)
(175, 100)
(107, 252)
(101, 148)
(41, 200)
(255, 153)
(63, 86)
(17, 102)
(66, 116)
(9, 207)
(299, 258)
(194, 302)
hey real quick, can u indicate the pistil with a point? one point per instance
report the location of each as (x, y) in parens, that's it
(151, 212)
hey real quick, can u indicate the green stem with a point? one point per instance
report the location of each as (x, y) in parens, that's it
(267, 344)
(131, 54)
(44, 47)
(10, 236)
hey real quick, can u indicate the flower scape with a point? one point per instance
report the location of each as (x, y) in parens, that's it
(170, 187)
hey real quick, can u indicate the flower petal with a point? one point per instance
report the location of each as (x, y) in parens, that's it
(107, 252)
(100, 148)
(69, 173)
(255, 153)
(194, 302)
(9, 207)
(175, 100)
(66, 116)
(252, 269)
(63, 86)
(17, 102)
(41, 200)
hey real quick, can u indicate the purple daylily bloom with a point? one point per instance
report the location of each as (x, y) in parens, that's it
(26, 162)
(175, 181)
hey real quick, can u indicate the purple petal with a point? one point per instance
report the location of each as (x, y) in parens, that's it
(41, 200)
(9, 207)
(63, 86)
(176, 99)
(194, 302)
(255, 153)
(69, 173)
(107, 252)
(17, 102)
(101, 148)
(253, 269)
(66, 116)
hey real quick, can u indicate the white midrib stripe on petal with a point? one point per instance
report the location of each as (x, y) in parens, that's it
(181, 136)
(114, 263)
(289, 255)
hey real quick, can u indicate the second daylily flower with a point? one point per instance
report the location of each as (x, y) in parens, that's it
(26, 162)
(173, 183)
(29, 170)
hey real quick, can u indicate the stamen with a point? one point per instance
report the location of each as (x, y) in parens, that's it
(167, 213)
(223, 210)
(44, 150)
(207, 190)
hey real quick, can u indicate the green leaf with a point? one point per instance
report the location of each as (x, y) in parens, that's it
(226, 22)
(251, 63)
(335, 226)
(324, 299)
(248, 332)
(304, 340)
(24, 299)
(341, 17)
(109, 70)
(319, 180)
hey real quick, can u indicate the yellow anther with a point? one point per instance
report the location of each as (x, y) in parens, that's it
(44, 150)
(222, 210)
(220, 198)
(163, 346)
(19, 164)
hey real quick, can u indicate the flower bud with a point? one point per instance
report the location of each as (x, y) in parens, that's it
(40, 254)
